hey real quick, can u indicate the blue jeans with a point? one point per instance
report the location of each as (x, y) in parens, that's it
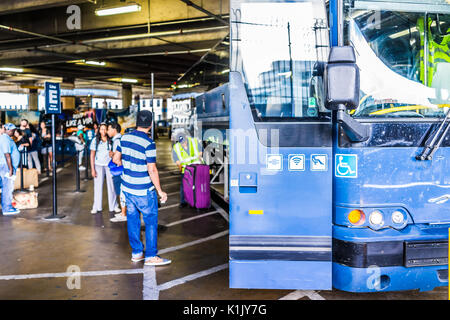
(117, 181)
(148, 206)
(7, 189)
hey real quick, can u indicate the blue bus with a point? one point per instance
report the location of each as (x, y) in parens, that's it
(338, 144)
(353, 195)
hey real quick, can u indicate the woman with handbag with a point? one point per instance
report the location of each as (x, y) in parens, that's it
(100, 158)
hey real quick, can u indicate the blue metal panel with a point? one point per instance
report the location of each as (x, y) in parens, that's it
(393, 177)
(392, 278)
(280, 275)
(295, 200)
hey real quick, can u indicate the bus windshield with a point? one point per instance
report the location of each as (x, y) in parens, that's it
(280, 49)
(403, 57)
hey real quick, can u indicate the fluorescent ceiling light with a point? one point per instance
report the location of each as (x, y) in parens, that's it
(129, 80)
(95, 63)
(118, 10)
(402, 33)
(8, 69)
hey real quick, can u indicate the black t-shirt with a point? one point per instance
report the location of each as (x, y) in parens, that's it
(23, 140)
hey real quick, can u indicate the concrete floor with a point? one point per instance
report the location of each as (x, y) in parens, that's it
(39, 257)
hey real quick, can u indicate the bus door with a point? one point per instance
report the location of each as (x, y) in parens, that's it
(280, 146)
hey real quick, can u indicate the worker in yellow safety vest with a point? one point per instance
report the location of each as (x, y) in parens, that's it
(438, 50)
(186, 151)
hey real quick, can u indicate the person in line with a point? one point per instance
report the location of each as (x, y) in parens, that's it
(100, 158)
(22, 141)
(22, 144)
(140, 182)
(82, 136)
(114, 130)
(9, 161)
(46, 150)
(24, 126)
(185, 152)
(33, 155)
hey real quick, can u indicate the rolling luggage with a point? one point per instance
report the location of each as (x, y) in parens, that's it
(196, 187)
(30, 178)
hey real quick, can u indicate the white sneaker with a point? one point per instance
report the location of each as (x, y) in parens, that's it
(157, 261)
(137, 257)
(93, 211)
(118, 219)
(82, 168)
(11, 213)
(117, 210)
(118, 215)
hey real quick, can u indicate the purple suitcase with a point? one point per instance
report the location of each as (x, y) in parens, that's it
(196, 186)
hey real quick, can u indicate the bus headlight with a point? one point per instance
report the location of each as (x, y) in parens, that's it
(398, 217)
(376, 219)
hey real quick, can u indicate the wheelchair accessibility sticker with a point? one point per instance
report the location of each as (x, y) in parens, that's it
(346, 166)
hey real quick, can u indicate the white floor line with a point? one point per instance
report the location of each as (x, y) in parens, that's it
(69, 274)
(171, 184)
(194, 276)
(222, 212)
(150, 288)
(190, 219)
(109, 272)
(168, 207)
(193, 243)
(173, 193)
(298, 294)
(169, 177)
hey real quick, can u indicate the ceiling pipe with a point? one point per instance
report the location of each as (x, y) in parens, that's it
(193, 5)
(156, 34)
(203, 57)
(161, 53)
(44, 36)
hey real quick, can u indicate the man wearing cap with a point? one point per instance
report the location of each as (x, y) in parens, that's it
(9, 161)
(185, 152)
(140, 185)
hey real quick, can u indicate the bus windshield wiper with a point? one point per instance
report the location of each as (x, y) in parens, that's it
(435, 140)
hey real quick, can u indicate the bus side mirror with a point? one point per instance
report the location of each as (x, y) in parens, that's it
(341, 79)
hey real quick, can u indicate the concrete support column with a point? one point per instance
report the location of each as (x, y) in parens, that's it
(164, 110)
(137, 101)
(68, 102)
(33, 100)
(127, 95)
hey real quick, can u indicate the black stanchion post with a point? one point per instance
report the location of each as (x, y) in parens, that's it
(47, 163)
(55, 215)
(21, 169)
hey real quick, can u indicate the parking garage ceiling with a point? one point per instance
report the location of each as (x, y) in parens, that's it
(180, 41)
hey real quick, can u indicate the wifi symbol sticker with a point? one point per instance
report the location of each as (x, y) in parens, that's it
(296, 162)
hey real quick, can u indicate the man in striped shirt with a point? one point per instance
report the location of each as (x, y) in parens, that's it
(140, 182)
